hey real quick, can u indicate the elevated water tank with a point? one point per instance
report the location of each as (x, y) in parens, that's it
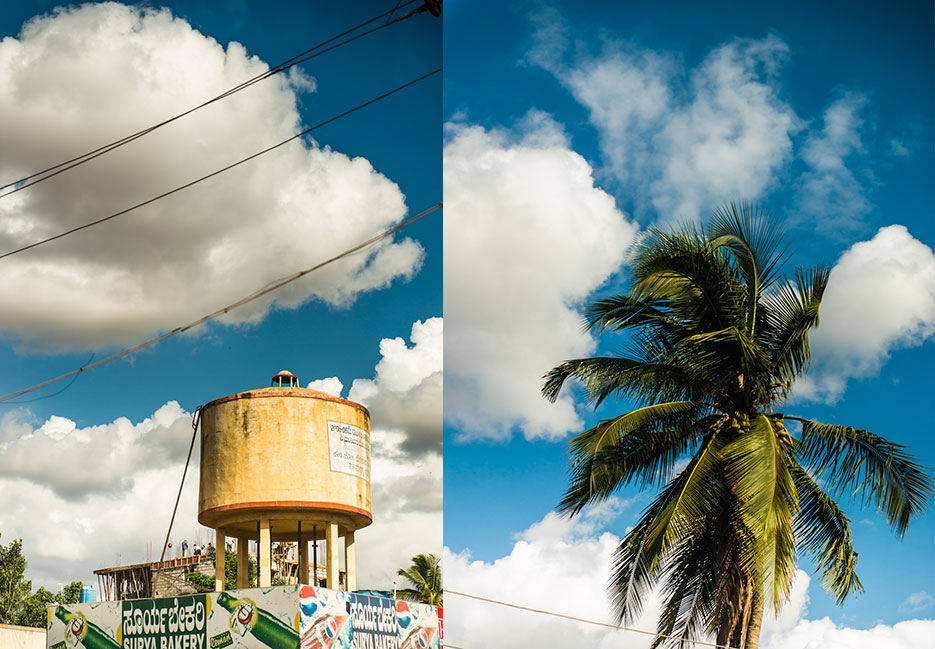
(285, 463)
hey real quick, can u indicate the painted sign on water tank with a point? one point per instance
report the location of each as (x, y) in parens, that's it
(349, 448)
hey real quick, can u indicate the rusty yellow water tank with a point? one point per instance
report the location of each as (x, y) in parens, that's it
(292, 456)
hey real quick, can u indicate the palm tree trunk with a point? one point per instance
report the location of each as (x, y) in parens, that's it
(747, 614)
(756, 623)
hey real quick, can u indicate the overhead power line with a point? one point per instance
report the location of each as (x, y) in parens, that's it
(50, 172)
(219, 171)
(448, 591)
(269, 288)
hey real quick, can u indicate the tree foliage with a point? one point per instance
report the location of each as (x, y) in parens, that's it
(205, 582)
(18, 604)
(716, 337)
(425, 580)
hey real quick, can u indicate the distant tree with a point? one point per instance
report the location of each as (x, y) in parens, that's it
(14, 589)
(33, 610)
(425, 577)
(18, 604)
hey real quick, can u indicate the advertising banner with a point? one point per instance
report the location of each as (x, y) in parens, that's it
(281, 617)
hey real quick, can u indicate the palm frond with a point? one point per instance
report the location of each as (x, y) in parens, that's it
(693, 577)
(633, 571)
(757, 462)
(700, 492)
(853, 460)
(824, 533)
(696, 280)
(755, 242)
(636, 565)
(719, 357)
(625, 377)
(792, 311)
(425, 577)
(620, 312)
(641, 445)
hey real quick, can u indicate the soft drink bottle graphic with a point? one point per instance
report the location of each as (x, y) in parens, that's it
(412, 634)
(78, 629)
(419, 638)
(328, 631)
(268, 629)
(325, 632)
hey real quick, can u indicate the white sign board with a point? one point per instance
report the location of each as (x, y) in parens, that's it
(349, 448)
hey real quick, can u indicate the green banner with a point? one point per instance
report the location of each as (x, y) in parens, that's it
(169, 623)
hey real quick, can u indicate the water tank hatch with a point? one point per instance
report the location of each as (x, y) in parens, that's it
(285, 379)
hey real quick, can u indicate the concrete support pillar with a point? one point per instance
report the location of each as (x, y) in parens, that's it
(263, 551)
(220, 559)
(303, 558)
(243, 562)
(333, 558)
(350, 562)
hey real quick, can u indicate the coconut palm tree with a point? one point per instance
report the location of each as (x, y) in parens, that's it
(425, 577)
(717, 337)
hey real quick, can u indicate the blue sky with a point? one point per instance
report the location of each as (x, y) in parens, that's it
(93, 471)
(569, 128)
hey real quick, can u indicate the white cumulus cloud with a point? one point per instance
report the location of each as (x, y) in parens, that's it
(528, 237)
(88, 498)
(917, 602)
(830, 195)
(406, 392)
(880, 297)
(733, 136)
(687, 140)
(825, 634)
(557, 565)
(87, 75)
(106, 459)
(332, 385)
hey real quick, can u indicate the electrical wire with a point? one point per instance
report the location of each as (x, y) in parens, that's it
(230, 307)
(54, 394)
(219, 171)
(579, 619)
(302, 57)
(394, 10)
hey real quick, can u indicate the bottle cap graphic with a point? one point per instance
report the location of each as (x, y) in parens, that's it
(331, 628)
(403, 615)
(76, 628)
(243, 617)
(423, 638)
(308, 601)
